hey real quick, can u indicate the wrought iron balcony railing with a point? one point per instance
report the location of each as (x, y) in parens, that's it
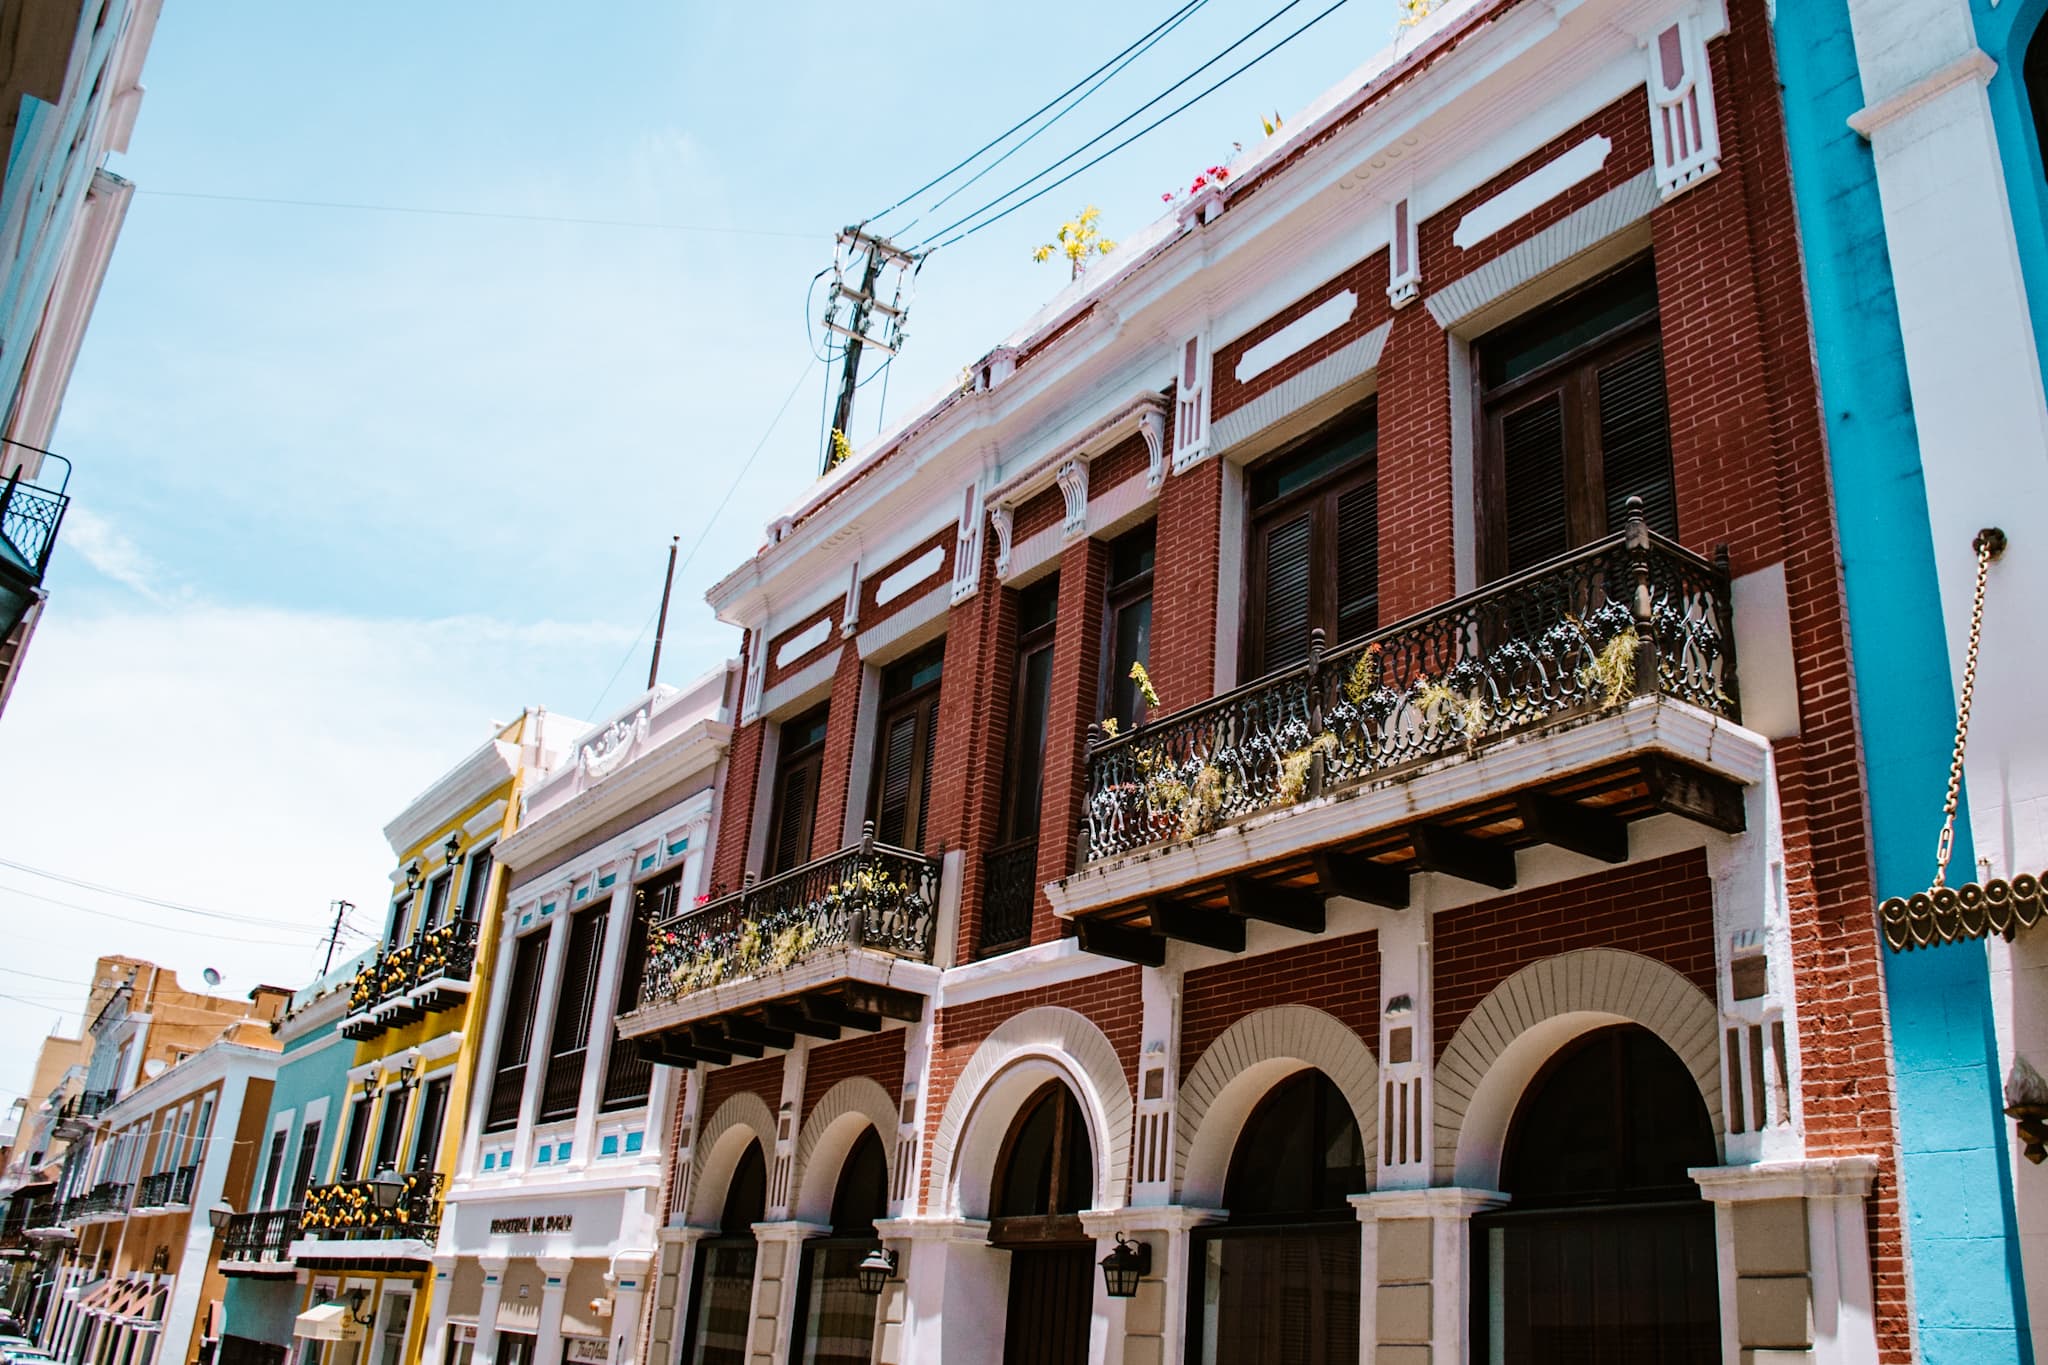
(349, 1210)
(29, 518)
(78, 1112)
(1009, 886)
(868, 896)
(1631, 614)
(153, 1191)
(43, 1211)
(260, 1237)
(107, 1197)
(400, 984)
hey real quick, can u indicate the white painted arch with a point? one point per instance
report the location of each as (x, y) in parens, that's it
(716, 1152)
(1248, 1059)
(1045, 1043)
(834, 1124)
(1523, 1022)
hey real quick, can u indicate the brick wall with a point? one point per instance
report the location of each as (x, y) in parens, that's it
(1340, 976)
(736, 800)
(828, 834)
(1184, 585)
(1663, 908)
(780, 668)
(873, 613)
(879, 1055)
(1076, 676)
(1367, 280)
(763, 1078)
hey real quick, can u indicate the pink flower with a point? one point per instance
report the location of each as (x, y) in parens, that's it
(1200, 181)
(1166, 198)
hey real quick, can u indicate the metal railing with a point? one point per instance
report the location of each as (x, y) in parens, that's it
(29, 518)
(446, 952)
(349, 1210)
(265, 1235)
(1009, 888)
(868, 896)
(1632, 613)
(107, 1197)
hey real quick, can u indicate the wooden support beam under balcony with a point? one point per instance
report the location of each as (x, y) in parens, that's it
(1287, 906)
(715, 1037)
(1176, 919)
(796, 1021)
(828, 1009)
(1441, 849)
(1704, 797)
(754, 1030)
(1105, 939)
(868, 998)
(1361, 879)
(1571, 826)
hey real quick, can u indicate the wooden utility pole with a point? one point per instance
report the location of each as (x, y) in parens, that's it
(869, 322)
(661, 622)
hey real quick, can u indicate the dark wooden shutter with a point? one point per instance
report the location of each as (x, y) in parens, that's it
(930, 712)
(1532, 458)
(1282, 609)
(796, 807)
(1358, 561)
(271, 1171)
(426, 1146)
(309, 1152)
(479, 882)
(570, 1042)
(390, 1133)
(628, 1076)
(515, 1045)
(358, 1137)
(899, 761)
(1635, 440)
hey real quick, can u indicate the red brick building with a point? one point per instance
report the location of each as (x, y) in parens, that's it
(1460, 958)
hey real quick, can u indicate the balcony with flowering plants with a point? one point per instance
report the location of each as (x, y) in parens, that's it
(411, 980)
(842, 942)
(391, 1218)
(1554, 706)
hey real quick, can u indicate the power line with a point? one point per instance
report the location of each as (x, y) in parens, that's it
(478, 213)
(1170, 114)
(156, 901)
(967, 160)
(711, 521)
(145, 923)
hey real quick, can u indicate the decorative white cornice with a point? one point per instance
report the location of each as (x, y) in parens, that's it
(696, 751)
(1973, 65)
(490, 765)
(1043, 471)
(1829, 1177)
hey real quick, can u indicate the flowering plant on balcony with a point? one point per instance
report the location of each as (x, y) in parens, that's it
(362, 992)
(1211, 175)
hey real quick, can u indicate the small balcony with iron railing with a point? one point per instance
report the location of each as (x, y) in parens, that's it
(841, 943)
(408, 981)
(104, 1201)
(260, 1243)
(29, 518)
(390, 1218)
(166, 1190)
(77, 1115)
(1555, 706)
(43, 1217)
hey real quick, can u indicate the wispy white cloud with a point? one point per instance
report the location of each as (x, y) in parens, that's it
(112, 554)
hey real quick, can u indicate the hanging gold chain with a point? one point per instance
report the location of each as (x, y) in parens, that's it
(1989, 545)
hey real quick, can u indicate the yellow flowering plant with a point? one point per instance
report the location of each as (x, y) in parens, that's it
(1077, 240)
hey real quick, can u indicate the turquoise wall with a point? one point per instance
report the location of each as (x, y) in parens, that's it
(2003, 32)
(1968, 1299)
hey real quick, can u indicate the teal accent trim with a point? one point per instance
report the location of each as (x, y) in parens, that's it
(2003, 32)
(677, 847)
(1968, 1292)
(634, 1142)
(562, 1150)
(648, 861)
(490, 1161)
(540, 1155)
(606, 880)
(608, 1145)
(582, 892)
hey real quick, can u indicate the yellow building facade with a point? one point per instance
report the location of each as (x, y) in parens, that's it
(365, 1250)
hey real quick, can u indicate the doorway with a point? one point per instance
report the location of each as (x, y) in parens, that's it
(1047, 1176)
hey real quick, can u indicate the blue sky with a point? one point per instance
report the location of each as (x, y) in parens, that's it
(353, 484)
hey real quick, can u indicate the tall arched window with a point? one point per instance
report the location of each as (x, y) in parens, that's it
(1280, 1279)
(837, 1323)
(1606, 1253)
(1045, 1176)
(716, 1333)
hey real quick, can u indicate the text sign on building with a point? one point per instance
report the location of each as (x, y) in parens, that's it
(520, 1227)
(587, 1351)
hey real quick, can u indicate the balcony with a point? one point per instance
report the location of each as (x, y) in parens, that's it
(1555, 707)
(408, 982)
(43, 1219)
(820, 948)
(1009, 886)
(29, 518)
(108, 1199)
(75, 1116)
(260, 1243)
(350, 1222)
(166, 1189)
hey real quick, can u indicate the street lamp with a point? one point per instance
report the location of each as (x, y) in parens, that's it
(386, 1189)
(453, 848)
(1127, 1264)
(220, 1215)
(874, 1271)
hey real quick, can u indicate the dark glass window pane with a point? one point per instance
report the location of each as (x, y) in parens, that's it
(437, 900)
(907, 675)
(516, 1044)
(722, 1307)
(1522, 348)
(839, 1320)
(426, 1149)
(1130, 643)
(862, 1194)
(1131, 554)
(1300, 1153)
(1320, 456)
(309, 1153)
(746, 1198)
(478, 881)
(357, 1139)
(1038, 606)
(1288, 1296)
(569, 1047)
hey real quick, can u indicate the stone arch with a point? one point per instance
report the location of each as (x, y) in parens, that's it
(716, 1151)
(1235, 1072)
(1024, 1051)
(828, 1134)
(1524, 1020)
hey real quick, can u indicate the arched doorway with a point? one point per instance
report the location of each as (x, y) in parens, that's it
(1606, 1254)
(1280, 1278)
(835, 1320)
(1045, 1176)
(722, 1290)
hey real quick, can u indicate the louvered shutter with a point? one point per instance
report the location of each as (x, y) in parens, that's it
(1533, 482)
(426, 1145)
(628, 1076)
(795, 806)
(1358, 561)
(930, 712)
(571, 1041)
(517, 1045)
(1635, 440)
(899, 756)
(1283, 611)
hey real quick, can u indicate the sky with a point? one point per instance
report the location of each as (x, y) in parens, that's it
(354, 484)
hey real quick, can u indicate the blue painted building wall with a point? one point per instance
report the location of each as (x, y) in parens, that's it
(2003, 32)
(1969, 1305)
(314, 1065)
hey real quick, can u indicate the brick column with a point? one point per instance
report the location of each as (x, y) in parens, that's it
(736, 805)
(827, 833)
(1418, 565)
(1184, 589)
(1076, 673)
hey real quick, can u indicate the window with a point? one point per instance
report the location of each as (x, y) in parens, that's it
(1314, 556)
(1010, 887)
(799, 763)
(905, 740)
(309, 1152)
(569, 1046)
(352, 1146)
(1575, 424)
(479, 881)
(273, 1168)
(720, 1304)
(437, 899)
(1607, 1250)
(627, 1075)
(426, 1142)
(1129, 623)
(201, 1131)
(394, 932)
(836, 1322)
(390, 1132)
(1280, 1280)
(515, 1045)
